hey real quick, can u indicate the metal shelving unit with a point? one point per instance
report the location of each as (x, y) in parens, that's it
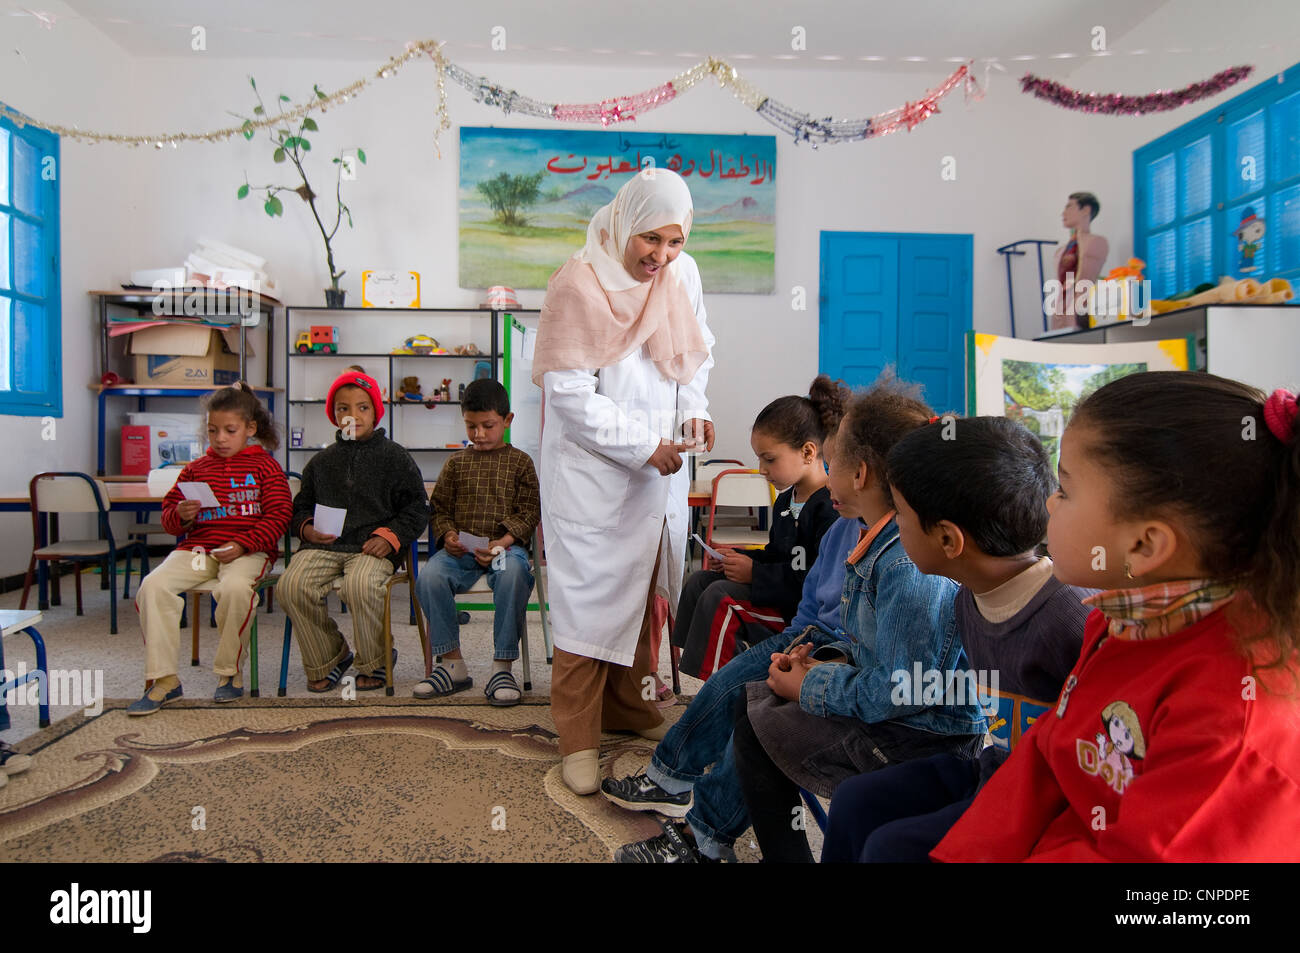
(299, 319)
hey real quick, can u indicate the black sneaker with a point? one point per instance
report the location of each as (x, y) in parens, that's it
(639, 793)
(670, 847)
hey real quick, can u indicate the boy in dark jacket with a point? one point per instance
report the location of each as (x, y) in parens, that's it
(382, 490)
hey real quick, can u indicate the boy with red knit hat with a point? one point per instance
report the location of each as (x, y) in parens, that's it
(379, 485)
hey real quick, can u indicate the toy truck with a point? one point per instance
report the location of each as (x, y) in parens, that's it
(321, 337)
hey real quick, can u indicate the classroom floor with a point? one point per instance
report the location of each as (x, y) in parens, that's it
(83, 642)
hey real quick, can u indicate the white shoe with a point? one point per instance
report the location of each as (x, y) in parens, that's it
(581, 771)
(656, 733)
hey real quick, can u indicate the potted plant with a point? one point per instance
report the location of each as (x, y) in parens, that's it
(292, 146)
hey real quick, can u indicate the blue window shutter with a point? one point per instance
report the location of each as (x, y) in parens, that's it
(31, 378)
(1196, 186)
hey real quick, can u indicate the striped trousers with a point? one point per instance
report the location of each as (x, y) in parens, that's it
(302, 591)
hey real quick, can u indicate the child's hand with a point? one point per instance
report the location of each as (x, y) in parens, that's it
(736, 567)
(786, 674)
(711, 564)
(228, 553)
(376, 546)
(312, 535)
(187, 510)
(494, 547)
(451, 542)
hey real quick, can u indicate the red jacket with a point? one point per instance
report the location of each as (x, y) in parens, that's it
(254, 498)
(1210, 773)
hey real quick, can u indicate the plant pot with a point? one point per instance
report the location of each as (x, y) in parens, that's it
(334, 297)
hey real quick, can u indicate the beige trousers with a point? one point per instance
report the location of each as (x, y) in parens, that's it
(160, 600)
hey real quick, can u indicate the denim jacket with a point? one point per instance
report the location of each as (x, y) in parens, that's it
(895, 616)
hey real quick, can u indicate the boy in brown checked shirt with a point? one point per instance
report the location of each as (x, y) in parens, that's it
(489, 490)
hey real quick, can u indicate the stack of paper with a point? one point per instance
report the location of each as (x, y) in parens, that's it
(219, 265)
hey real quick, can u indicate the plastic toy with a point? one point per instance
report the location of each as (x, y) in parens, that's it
(470, 349)
(421, 344)
(321, 337)
(482, 370)
(445, 390)
(410, 389)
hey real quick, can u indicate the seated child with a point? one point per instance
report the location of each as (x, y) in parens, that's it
(234, 543)
(972, 505)
(381, 488)
(490, 490)
(903, 608)
(1174, 737)
(762, 587)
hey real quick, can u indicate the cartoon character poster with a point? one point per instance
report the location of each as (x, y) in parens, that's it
(1250, 242)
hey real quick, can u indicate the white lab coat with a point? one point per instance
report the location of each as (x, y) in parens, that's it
(605, 512)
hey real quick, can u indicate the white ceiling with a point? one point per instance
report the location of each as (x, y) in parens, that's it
(909, 36)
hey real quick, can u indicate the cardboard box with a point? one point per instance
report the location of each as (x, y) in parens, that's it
(146, 448)
(183, 354)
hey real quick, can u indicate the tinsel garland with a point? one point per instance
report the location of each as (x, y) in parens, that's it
(1119, 104)
(801, 126)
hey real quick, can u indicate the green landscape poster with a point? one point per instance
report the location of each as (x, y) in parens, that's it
(526, 196)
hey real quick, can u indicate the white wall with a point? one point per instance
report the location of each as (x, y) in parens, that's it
(71, 74)
(1016, 159)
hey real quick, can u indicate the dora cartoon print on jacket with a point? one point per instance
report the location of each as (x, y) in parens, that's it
(1112, 753)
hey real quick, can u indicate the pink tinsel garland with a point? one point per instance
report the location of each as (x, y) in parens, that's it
(1117, 103)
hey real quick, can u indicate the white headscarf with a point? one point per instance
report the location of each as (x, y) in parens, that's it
(654, 198)
(596, 313)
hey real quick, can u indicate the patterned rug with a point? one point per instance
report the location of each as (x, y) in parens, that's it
(304, 780)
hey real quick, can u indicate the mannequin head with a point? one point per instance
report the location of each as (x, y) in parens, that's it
(1080, 210)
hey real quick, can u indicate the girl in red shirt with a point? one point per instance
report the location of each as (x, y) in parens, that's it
(1177, 735)
(234, 542)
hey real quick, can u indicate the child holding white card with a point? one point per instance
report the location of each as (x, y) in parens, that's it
(743, 598)
(380, 486)
(234, 542)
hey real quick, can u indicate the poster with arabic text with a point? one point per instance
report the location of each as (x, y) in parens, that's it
(526, 196)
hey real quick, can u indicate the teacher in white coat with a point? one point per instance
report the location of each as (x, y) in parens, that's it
(623, 355)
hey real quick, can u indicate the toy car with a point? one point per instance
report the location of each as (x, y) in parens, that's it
(319, 338)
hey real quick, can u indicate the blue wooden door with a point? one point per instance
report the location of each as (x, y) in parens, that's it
(897, 299)
(859, 306)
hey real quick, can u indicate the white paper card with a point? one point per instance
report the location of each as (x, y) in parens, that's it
(200, 492)
(707, 548)
(530, 344)
(472, 542)
(328, 520)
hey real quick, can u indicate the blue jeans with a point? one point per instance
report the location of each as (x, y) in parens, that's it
(702, 737)
(445, 575)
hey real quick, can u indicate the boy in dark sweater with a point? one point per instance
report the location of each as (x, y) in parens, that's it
(382, 489)
(972, 505)
(489, 490)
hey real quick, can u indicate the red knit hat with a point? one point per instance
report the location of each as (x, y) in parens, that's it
(355, 379)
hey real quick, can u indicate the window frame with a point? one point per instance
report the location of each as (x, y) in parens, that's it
(47, 402)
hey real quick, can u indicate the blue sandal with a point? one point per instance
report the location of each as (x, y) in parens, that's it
(499, 681)
(334, 677)
(440, 683)
(380, 673)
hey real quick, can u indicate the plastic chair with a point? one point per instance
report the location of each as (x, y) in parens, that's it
(481, 588)
(403, 574)
(747, 488)
(14, 621)
(53, 493)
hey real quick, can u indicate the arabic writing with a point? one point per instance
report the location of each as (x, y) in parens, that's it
(720, 165)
